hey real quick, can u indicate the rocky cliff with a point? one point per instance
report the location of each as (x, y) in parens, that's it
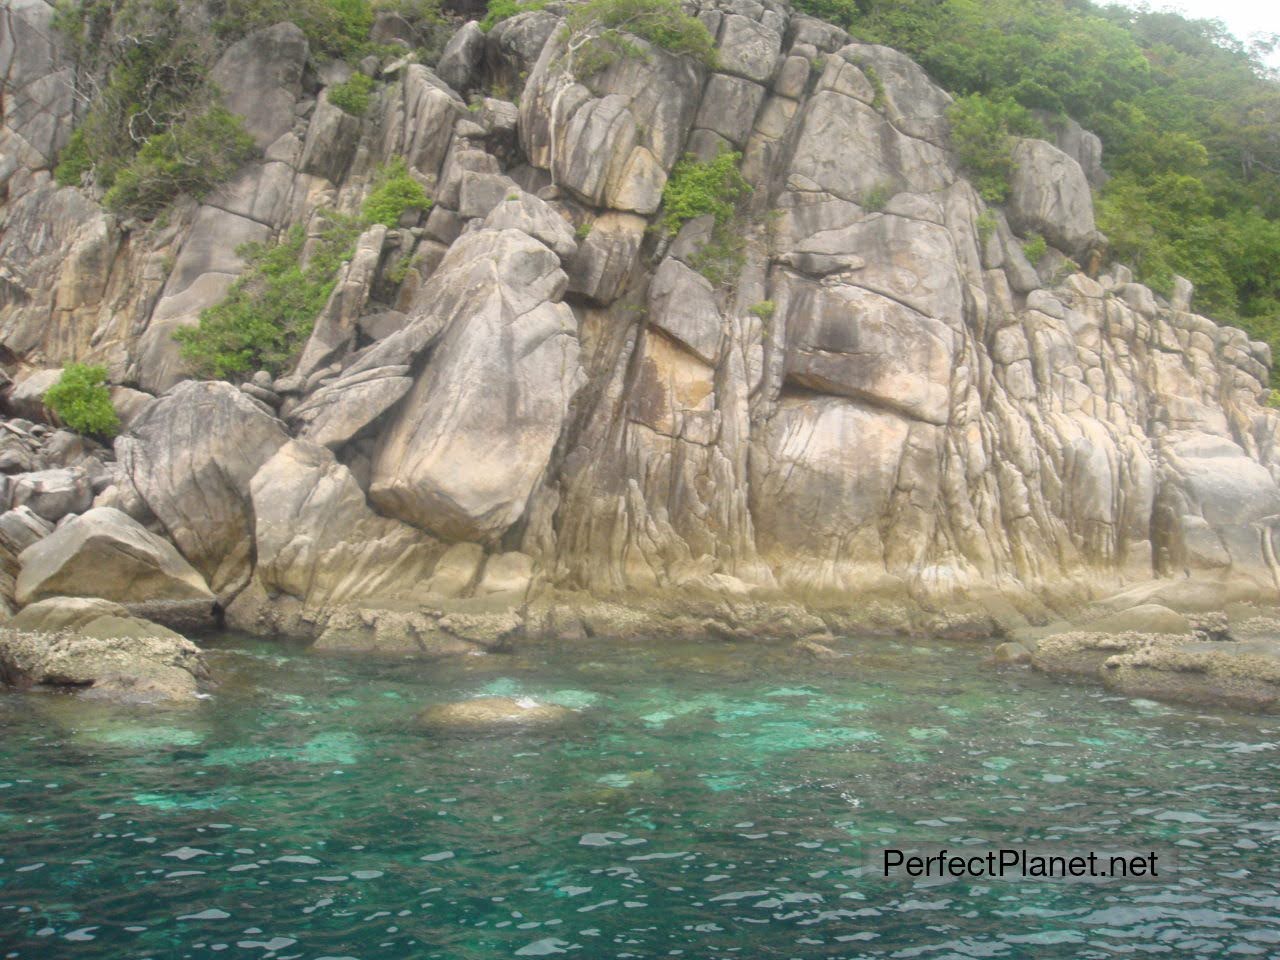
(530, 409)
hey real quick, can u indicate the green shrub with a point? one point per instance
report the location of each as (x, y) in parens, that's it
(335, 29)
(840, 12)
(721, 258)
(192, 157)
(764, 309)
(82, 401)
(877, 197)
(696, 188)
(353, 95)
(1035, 248)
(986, 224)
(500, 10)
(394, 192)
(74, 161)
(269, 312)
(877, 85)
(983, 132)
(598, 29)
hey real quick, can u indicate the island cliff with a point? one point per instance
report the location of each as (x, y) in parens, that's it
(855, 402)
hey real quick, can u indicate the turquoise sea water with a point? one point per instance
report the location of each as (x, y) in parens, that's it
(714, 801)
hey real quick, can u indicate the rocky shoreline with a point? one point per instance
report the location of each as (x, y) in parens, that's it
(541, 409)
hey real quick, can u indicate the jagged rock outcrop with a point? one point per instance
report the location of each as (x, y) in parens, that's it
(534, 404)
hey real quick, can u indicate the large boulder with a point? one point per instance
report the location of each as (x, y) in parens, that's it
(1049, 195)
(190, 456)
(53, 494)
(260, 77)
(463, 450)
(611, 139)
(461, 57)
(317, 539)
(104, 553)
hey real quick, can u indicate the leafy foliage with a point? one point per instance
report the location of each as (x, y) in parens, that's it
(74, 162)
(1188, 116)
(696, 188)
(353, 95)
(191, 156)
(394, 192)
(840, 12)
(877, 197)
(1035, 248)
(268, 314)
(269, 311)
(599, 30)
(335, 29)
(500, 10)
(82, 401)
(153, 127)
(983, 132)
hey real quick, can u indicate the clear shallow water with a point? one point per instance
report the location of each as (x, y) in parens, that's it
(714, 802)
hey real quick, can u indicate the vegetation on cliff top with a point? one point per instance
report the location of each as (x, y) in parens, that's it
(599, 29)
(1188, 115)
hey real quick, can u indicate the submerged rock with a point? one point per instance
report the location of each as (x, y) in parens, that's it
(494, 715)
(1242, 675)
(108, 657)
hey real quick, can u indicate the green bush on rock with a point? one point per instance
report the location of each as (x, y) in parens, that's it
(696, 188)
(268, 314)
(353, 95)
(81, 400)
(983, 132)
(499, 10)
(192, 156)
(394, 192)
(598, 33)
(270, 310)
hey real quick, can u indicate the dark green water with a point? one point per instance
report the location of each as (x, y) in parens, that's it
(714, 802)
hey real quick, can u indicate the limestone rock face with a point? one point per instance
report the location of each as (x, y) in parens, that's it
(190, 456)
(104, 553)
(466, 446)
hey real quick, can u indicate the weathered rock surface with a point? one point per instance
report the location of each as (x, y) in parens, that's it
(190, 456)
(96, 649)
(1234, 674)
(260, 77)
(317, 539)
(1049, 195)
(105, 554)
(466, 446)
